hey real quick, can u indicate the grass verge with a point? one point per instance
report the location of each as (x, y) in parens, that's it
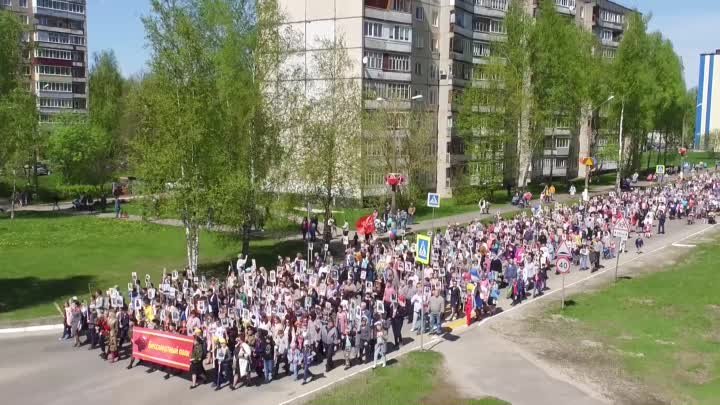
(417, 379)
(46, 257)
(664, 328)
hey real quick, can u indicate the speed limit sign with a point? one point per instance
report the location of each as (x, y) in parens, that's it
(563, 265)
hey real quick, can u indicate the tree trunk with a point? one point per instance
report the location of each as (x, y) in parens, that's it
(35, 174)
(245, 239)
(192, 244)
(14, 196)
(552, 156)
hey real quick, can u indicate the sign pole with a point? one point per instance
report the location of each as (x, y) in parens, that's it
(422, 313)
(432, 222)
(562, 304)
(617, 260)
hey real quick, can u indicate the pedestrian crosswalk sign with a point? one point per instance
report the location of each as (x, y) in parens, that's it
(422, 249)
(433, 200)
(660, 169)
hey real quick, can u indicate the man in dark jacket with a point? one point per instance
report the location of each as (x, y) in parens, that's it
(363, 341)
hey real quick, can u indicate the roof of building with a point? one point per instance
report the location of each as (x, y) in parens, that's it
(613, 6)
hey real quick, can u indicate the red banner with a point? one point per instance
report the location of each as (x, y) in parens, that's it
(167, 349)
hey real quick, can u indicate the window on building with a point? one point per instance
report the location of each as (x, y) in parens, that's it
(400, 33)
(493, 4)
(435, 45)
(418, 68)
(398, 63)
(562, 142)
(401, 5)
(565, 3)
(481, 49)
(419, 40)
(23, 3)
(62, 6)
(24, 19)
(374, 60)
(560, 163)
(26, 70)
(489, 25)
(609, 52)
(7, 3)
(419, 13)
(373, 29)
(435, 18)
(387, 90)
(52, 70)
(433, 97)
(609, 16)
(450, 121)
(607, 35)
(54, 87)
(433, 71)
(56, 102)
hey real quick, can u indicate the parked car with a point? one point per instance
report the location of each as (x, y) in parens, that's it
(42, 169)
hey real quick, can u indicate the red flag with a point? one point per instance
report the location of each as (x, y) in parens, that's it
(366, 225)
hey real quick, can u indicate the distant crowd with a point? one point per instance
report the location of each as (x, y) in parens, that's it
(257, 324)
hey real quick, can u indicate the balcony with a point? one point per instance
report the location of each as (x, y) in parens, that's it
(610, 42)
(560, 151)
(388, 45)
(607, 24)
(490, 8)
(488, 36)
(388, 15)
(377, 74)
(396, 104)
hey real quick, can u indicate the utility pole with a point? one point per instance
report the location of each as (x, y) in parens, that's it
(620, 149)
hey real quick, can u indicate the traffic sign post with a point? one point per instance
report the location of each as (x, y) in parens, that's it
(433, 201)
(562, 265)
(422, 249)
(621, 231)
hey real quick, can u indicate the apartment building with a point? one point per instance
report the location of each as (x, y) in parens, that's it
(422, 54)
(57, 67)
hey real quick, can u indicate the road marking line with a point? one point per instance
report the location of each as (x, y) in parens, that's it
(488, 319)
(38, 328)
(683, 245)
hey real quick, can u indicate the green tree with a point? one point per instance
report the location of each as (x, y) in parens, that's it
(18, 114)
(81, 150)
(561, 52)
(494, 119)
(328, 146)
(207, 136)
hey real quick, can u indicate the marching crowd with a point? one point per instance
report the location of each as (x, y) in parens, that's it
(254, 324)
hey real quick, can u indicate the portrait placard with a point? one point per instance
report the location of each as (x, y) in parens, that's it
(379, 307)
(133, 275)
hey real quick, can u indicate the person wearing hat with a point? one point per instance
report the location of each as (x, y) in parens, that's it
(223, 365)
(196, 358)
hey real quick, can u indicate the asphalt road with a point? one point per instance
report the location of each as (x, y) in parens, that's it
(37, 369)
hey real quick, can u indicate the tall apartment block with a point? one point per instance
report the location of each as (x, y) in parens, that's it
(409, 48)
(57, 66)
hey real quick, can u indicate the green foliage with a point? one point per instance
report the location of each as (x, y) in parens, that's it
(207, 133)
(81, 150)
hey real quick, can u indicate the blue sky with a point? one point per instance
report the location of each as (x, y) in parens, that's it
(692, 25)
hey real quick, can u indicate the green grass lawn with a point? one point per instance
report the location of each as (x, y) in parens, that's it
(417, 379)
(49, 258)
(666, 326)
